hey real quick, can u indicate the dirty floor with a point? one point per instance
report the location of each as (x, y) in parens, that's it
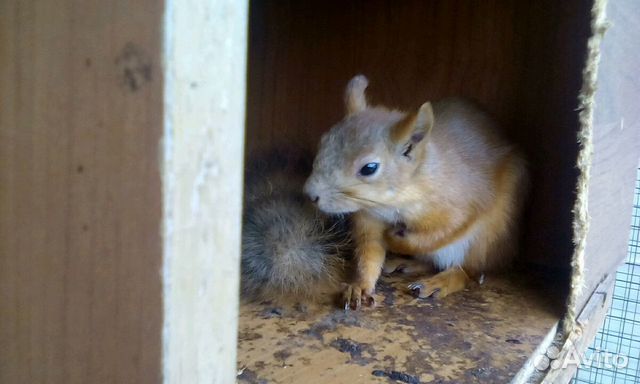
(481, 335)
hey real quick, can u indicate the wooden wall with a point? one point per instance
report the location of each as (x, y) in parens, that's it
(80, 197)
(616, 141)
(522, 60)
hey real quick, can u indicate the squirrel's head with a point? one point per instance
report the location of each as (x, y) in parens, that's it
(366, 159)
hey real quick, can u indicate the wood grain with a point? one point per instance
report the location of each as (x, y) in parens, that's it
(522, 60)
(80, 194)
(205, 76)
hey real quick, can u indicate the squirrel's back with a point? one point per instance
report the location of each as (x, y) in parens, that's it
(480, 172)
(290, 251)
(470, 150)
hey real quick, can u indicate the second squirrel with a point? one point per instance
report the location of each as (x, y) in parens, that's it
(290, 251)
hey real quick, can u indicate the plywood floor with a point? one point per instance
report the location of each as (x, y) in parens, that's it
(482, 335)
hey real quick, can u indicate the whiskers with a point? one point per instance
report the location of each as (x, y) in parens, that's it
(359, 199)
(354, 185)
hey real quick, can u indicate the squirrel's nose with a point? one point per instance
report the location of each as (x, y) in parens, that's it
(315, 199)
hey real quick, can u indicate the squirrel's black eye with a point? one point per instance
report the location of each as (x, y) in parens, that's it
(369, 169)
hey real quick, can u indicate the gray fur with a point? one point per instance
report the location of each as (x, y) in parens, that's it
(289, 249)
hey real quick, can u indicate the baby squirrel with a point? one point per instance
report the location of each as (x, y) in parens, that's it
(438, 184)
(291, 252)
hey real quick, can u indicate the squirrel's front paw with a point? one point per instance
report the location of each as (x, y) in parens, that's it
(355, 294)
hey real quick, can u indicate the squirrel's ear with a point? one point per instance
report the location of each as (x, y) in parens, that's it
(354, 98)
(415, 126)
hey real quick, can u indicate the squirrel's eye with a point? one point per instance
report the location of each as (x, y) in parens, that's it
(369, 169)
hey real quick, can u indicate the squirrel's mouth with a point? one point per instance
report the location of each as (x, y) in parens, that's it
(333, 207)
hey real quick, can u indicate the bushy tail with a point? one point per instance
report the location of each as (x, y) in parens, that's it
(289, 249)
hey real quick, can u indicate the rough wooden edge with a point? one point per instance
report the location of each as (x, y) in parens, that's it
(559, 351)
(204, 99)
(528, 372)
(585, 139)
(563, 367)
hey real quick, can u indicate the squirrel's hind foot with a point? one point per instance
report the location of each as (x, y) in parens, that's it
(452, 280)
(405, 266)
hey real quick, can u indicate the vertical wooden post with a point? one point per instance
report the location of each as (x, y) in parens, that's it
(205, 69)
(80, 191)
(121, 146)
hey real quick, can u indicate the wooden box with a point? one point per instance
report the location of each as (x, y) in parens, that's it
(121, 162)
(535, 67)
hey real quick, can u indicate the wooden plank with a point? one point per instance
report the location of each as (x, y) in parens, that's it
(80, 191)
(588, 322)
(616, 152)
(205, 55)
(482, 335)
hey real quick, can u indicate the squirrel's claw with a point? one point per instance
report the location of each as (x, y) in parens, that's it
(418, 290)
(353, 297)
(415, 289)
(440, 285)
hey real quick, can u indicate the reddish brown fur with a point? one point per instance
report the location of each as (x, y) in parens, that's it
(449, 189)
